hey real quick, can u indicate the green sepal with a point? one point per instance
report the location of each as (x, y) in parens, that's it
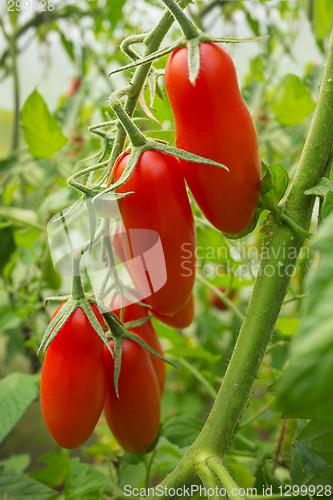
(131, 164)
(137, 322)
(135, 338)
(57, 298)
(85, 305)
(193, 58)
(118, 349)
(155, 55)
(324, 189)
(56, 324)
(182, 154)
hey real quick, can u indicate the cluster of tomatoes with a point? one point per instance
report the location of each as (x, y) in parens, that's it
(212, 121)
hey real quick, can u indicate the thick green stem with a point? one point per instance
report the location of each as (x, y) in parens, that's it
(188, 27)
(277, 265)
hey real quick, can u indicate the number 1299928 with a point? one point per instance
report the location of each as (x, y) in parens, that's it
(35, 5)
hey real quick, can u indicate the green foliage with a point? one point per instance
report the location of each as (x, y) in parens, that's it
(291, 102)
(17, 391)
(41, 131)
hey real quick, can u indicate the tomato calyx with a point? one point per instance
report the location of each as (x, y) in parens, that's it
(63, 315)
(121, 333)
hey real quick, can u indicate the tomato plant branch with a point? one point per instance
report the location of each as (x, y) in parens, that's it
(225, 478)
(269, 290)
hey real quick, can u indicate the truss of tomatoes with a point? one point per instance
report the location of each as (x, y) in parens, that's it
(211, 120)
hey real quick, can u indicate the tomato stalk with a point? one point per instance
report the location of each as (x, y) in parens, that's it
(268, 293)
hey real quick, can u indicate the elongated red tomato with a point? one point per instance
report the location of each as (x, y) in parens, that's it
(133, 312)
(180, 319)
(158, 207)
(212, 120)
(73, 380)
(134, 417)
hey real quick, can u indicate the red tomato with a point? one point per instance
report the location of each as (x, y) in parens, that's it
(134, 417)
(212, 120)
(159, 204)
(216, 302)
(74, 85)
(180, 319)
(146, 332)
(73, 380)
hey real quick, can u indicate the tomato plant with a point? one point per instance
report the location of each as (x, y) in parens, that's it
(212, 120)
(134, 417)
(170, 217)
(73, 381)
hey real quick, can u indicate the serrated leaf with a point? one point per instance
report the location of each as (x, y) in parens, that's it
(308, 378)
(281, 181)
(17, 391)
(313, 462)
(41, 131)
(56, 468)
(14, 486)
(17, 463)
(182, 430)
(324, 189)
(84, 480)
(291, 101)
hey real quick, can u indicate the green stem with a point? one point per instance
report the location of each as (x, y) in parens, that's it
(221, 296)
(188, 27)
(225, 478)
(137, 138)
(152, 41)
(209, 480)
(198, 376)
(256, 416)
(299, 229)
(16, 89)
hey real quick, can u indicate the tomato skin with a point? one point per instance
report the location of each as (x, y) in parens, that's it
(134, 417)
(73, 381)
(182, 318)
(212, 120)
(160, 204)
(146, 332)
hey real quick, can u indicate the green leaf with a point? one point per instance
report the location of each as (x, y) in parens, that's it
(291, 101)
(224, 282)
(21, 215)
(267, 180)
(322, 19)
(287, 326)
(54, 473)
(312, 457)
(8, 192)
(198, 352)
(25, 238)
(280, 179)
(324, 189)
(182, 430)
(313, 462)
(41, 131)
(14, 486)
(83, 481)
(115, 11)
(17, 391)
(17, 463)
(308, 378)
(271, 480)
